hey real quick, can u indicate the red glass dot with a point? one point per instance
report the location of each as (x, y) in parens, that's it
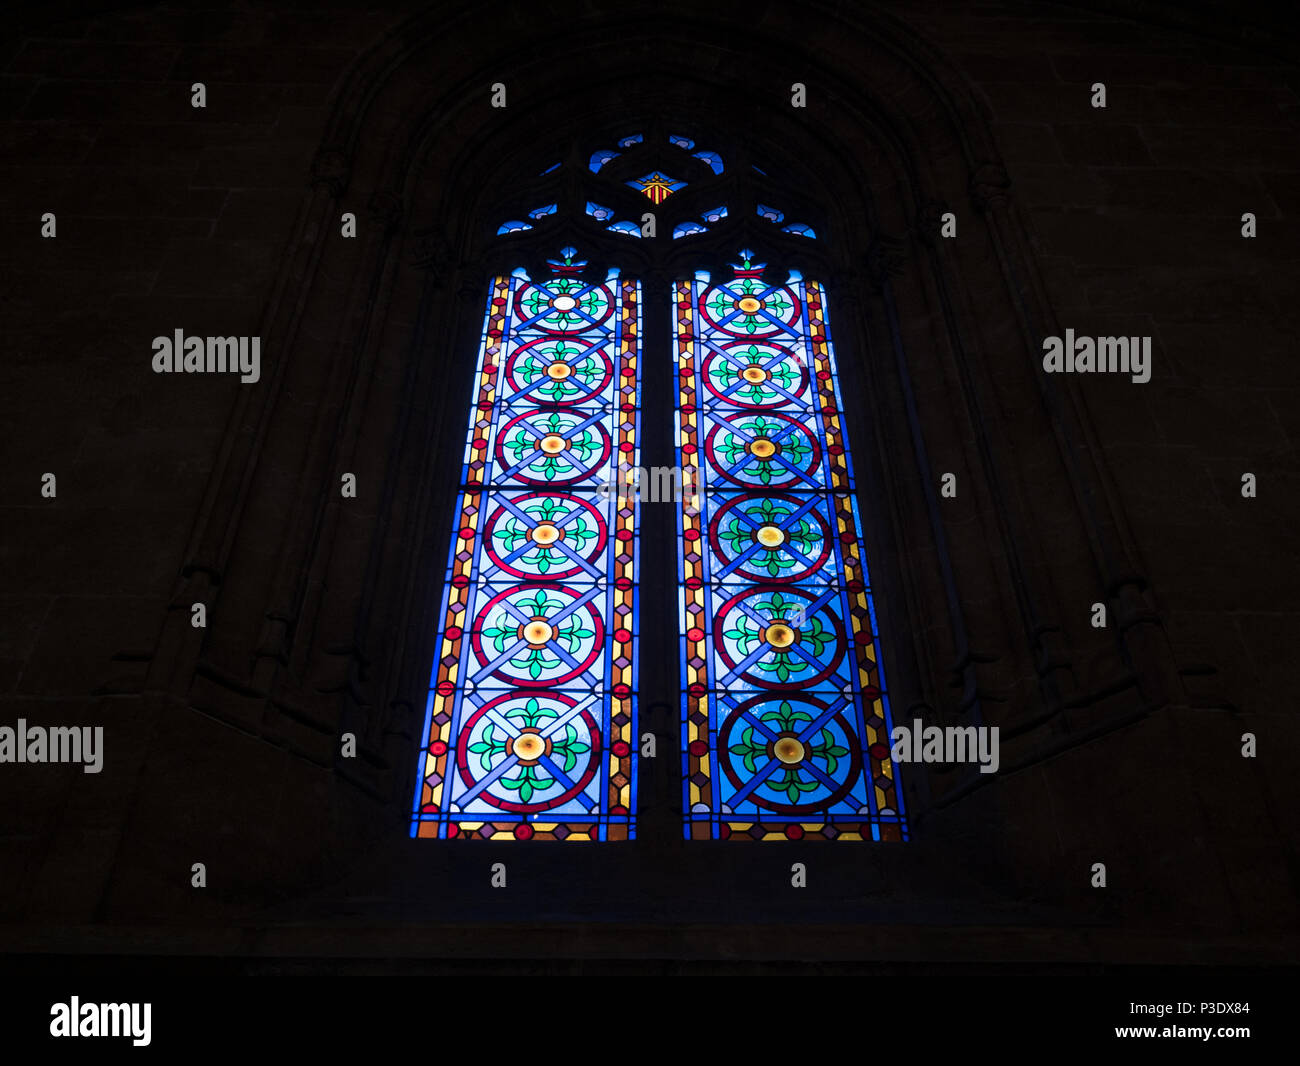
(685, 372)
(878, 751)
(862, 638)
(627, 446)
(688, 408)
(691, 534)
(823, 375)
(523, 832)
(794, 832)
(698, 748)
(696, 689)
(624, 534)
(430, 808)
(828, 408)
(694, 582)
(479, 444)
(453, 831)
(622, 691)
(620, 748)
(453, 632)
(689, 449)
(622, 635)
(623, 583)
(498, 301)
(856, 586)
(460, 581)
(695, 633)
(870, 692)
(618, 809)
(489, 371)
(444, 688)
(467, 534)
(437, 748)
(835, 449)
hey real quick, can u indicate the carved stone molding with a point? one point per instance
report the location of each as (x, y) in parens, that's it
(990, 187)
(884, 260)
(331, 168)
(928, 221)
(386, 210)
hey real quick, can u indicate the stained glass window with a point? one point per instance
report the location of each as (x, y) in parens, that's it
(657, 186)
(530, 723)
(530, 728)
(785, 720)
(713, 159)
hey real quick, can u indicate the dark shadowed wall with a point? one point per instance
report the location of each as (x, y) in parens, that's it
(1120, 745)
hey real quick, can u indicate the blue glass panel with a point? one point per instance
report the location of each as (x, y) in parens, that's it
(716, 215)
(627, 142)
(687, 229)
(800, 229)
(553, 166)
(631, 229)
(542, 212)
(512, 227)
(770, 213)
(785, 719)
(681, 142)
(600, 158)
(598, 212)
(530, 726)
(713, 159)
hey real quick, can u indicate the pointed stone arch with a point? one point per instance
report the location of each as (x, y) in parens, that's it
(322, 607)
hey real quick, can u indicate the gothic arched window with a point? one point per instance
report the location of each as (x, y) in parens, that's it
(530, 720)
(531, 728)
(785, 720)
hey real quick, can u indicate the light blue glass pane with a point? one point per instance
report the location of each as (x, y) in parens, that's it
(713, 159)
(533, 733)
